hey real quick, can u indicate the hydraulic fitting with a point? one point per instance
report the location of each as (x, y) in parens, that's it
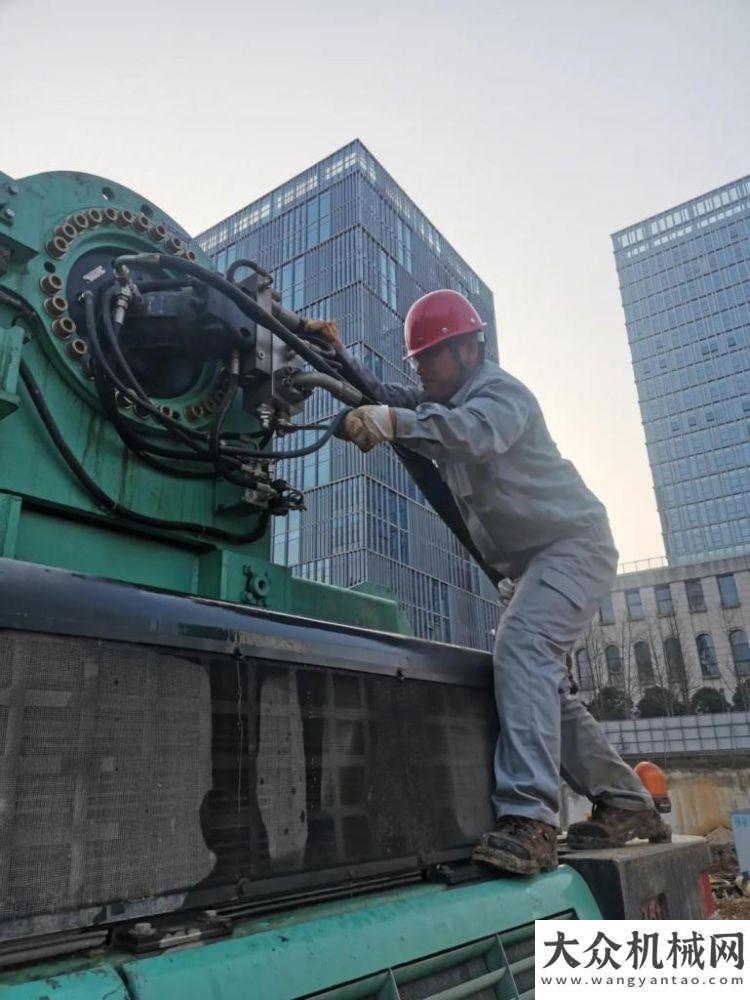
(140, 411)
(63, 327)
(174, 244)
(79, 220)
(157, 233)
(125, 219)
(141, 223)
(51, 284)
(167, 411)
(111, 216)
(191, 256)
(55, 305)
(95, 217)
(57, 247)
(122, 400)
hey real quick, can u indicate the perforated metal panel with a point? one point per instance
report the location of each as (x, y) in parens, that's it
(137, 779)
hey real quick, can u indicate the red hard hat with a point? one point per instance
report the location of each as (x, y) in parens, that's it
(438, 316)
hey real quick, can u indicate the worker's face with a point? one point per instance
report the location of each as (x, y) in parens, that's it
(443, 369)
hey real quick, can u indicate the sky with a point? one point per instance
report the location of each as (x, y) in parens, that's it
(527, 132)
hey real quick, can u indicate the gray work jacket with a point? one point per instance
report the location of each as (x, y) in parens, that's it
(515, 492)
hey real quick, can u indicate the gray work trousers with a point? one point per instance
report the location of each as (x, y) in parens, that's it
(545, 731)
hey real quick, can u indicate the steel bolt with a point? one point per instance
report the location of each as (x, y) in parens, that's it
(9, 214)
(67, 231)
(76, 349)
(57, 247)
(63, 327)
(55, 305)
(195, 412)
(51, 284)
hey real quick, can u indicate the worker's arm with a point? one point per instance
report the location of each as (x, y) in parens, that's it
(483, 427)
(383, 392)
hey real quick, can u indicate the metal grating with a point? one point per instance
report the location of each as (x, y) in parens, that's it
(498, 967)
(139, 775)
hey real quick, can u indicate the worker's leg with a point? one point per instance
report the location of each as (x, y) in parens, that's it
(553, 603)
(590, 764)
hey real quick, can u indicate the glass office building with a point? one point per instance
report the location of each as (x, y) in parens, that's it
(344, 242)
(685, 286)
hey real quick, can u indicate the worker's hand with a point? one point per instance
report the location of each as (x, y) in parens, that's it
(328, 331)
(368, 425)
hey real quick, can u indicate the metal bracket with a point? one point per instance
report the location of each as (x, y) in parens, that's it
(11, 343)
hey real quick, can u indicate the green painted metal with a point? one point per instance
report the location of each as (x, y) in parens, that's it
(11, 342)
(98, 983)
(358, 947)
(51, 520)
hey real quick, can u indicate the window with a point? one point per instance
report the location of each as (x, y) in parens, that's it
(675, 661)
(387, 279)
(728, 591)
(403, 232)
(707, 655)
(635, 607)
(695, 596)
(614, 665)
(664, 599)
(643, 663)
(318, 219)
(740, 652)
(585, 674)
(606, 611)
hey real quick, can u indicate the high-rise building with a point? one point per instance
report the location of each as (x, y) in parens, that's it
(685, 286)
(344, 242)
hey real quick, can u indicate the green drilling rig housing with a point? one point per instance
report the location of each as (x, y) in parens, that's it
(217, 779)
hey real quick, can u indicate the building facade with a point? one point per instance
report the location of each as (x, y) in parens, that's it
(344, 242)
(685, 286)
(681, 628)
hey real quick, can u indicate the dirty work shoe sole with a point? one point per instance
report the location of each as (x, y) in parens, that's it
(504, 861)
(655, 833)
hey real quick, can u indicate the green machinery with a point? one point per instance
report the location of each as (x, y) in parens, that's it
(217, 780)
(59, 234)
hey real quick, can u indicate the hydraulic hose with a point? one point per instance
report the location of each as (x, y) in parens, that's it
(105, 501)
(247, 305)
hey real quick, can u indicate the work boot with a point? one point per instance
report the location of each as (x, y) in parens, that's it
(519, 845)
(612, 827)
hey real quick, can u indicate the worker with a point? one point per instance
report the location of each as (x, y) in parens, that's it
(534, 521)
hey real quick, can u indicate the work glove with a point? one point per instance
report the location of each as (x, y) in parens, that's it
(328, 331)
(368, 425)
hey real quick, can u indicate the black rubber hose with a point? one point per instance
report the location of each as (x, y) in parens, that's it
(246, 262)
(144, 450)
(247, 305)
(103, 499)
(229, 453)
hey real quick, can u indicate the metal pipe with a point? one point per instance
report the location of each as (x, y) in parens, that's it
(337, 387)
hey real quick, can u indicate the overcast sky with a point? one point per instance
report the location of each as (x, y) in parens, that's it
(526, 131)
